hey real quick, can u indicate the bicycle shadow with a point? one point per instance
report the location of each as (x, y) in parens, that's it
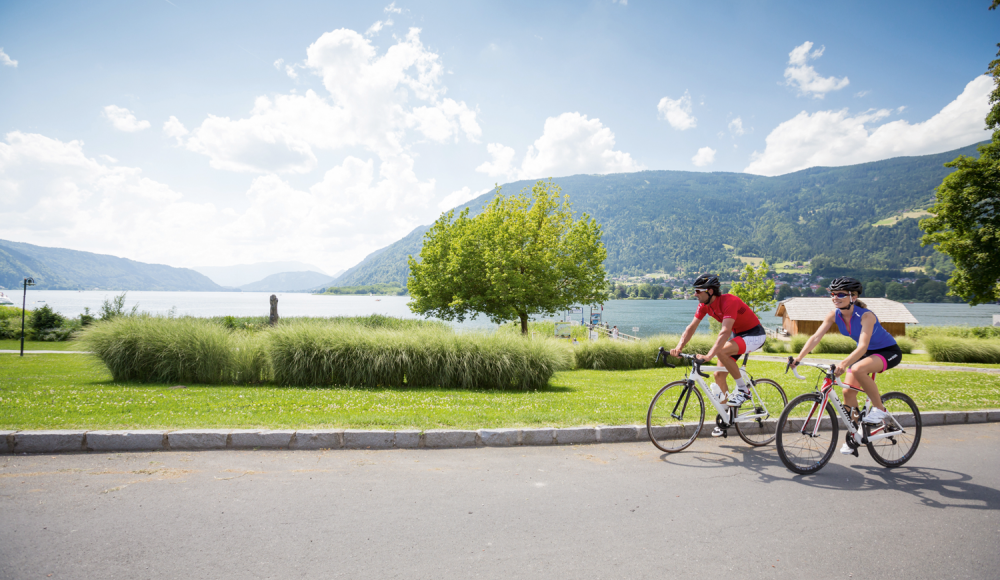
(933, 487)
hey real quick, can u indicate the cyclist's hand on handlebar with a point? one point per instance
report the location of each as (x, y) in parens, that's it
(839, 368)
(675, 352)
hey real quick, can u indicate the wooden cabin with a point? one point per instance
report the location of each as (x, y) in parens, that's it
(804, 315)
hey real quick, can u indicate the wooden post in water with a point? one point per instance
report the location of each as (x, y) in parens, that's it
(274, 310)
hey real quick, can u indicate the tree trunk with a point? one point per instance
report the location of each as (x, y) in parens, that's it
(524, 323)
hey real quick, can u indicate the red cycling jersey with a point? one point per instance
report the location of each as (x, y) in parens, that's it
(729, 306)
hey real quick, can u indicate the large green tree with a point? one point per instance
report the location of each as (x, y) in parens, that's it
(966, 222)
(755, 287)
(522, 255)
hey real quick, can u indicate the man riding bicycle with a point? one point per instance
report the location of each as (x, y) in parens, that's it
(741, 333)
(876, 352)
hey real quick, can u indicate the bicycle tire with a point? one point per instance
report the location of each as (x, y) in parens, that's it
(897, 450)
(800, 452)
(762, 431)
(666, 431)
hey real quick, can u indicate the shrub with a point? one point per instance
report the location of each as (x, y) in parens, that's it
(959, 350)
(157, 349)
(922, 332)
(905, 344)
(618, 355)
(774, 345)
(44, 318)
(830, 344)
(310, 353)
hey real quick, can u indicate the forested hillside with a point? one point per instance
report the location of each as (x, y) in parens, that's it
(62, 269)
(662, 220)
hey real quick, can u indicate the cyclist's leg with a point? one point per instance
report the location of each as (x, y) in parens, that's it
(858, 376)
(727, 358)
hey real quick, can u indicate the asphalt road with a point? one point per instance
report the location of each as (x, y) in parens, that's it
(597, 511)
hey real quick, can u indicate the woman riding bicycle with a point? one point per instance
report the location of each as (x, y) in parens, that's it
(877, 350)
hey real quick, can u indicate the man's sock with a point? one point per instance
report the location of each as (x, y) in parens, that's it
(741, 384)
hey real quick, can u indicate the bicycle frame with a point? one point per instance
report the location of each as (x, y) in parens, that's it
(828, 392)
(728, 414)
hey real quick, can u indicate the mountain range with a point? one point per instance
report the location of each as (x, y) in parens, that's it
(664, 220)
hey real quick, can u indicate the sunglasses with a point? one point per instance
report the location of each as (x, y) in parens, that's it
(697, 291)
(838, 295)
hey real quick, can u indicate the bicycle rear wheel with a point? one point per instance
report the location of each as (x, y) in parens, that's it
(675, 416)
(898, 449)
(768, 399)
(804, 437)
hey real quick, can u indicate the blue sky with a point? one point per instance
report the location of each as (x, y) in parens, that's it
(216, 133)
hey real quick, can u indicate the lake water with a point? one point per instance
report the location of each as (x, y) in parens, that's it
(650, 316)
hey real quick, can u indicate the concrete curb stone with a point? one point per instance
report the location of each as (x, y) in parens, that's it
(260, 438)
(616, 434)
(198, 439)
(318, 439)
(49, 441)
(538, 436)
(141, 440)
(7, 441)
(576, 435)
(439, 438)
(993, 416)
(500, 437)
(955, 417)
(363, 439)
(408, 439)
(977, 417)
(932, 418)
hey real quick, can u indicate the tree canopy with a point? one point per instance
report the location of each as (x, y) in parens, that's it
(522, 255)
(966, 224)
(754, 287)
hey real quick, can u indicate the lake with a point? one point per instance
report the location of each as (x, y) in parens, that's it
(650, 316)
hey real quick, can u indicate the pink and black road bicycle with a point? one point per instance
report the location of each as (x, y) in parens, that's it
(807, 428)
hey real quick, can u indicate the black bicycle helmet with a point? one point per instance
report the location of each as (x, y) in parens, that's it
(846, 284)
(706, 281)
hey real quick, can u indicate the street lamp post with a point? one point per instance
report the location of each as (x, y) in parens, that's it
(24, 302)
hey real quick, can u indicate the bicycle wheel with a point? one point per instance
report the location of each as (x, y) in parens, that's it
(898, 449)
(768, 398)
(801, 446)
(675, 416)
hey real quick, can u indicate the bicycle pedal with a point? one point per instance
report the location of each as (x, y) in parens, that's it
(854, 452)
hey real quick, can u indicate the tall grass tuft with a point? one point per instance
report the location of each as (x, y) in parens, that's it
(343, 354)
(963, 350)
(619, 355)
(158, 349)
(840, 344)
(922, 332)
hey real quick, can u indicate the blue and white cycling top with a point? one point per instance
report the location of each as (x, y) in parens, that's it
(880, 337)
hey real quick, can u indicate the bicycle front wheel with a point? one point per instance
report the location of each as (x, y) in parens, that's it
(768, 401)
(898, 449)
(804, 437)
(675, 416)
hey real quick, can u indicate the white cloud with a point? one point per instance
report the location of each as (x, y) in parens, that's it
(502, 164)
(457, 198)
(55, 195)
(801, 75)
(124, 120)
(677, 112)
(736, 127)
(392, 9)
(705, 156)
(834, 138)
(375, 102)
(860, 94)
(570, 144)
(378, 26)
(6, 60)
(174, 128)
(622, 2)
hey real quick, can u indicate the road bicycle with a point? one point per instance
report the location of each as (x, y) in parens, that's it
(677, 411)
(806, 439)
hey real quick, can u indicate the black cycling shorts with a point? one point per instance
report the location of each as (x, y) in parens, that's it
(890, 355)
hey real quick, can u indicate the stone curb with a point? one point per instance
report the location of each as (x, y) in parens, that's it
(61, 441)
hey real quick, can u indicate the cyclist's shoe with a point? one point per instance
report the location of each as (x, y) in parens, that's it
(737, 397)
(718, 433)
(875, 416)
(846, 450)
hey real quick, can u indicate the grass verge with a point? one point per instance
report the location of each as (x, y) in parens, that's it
(51, 391)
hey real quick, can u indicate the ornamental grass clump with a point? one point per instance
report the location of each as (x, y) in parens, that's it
(160, 349)
(963, 350)
(343, 354)
(621, 355)
(840, 344)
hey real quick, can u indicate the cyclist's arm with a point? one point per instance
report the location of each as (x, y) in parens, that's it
(864, 338)
(688, 333)
(816, 337)
(720, 342)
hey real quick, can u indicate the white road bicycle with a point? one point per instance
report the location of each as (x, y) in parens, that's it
(677, 411)
(806, 439)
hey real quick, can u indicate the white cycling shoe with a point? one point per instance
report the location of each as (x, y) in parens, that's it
(738, 396)
(718, 432)
(846, 450)
(875, 416)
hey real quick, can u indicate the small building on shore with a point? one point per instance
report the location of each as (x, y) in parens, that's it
(804, 315)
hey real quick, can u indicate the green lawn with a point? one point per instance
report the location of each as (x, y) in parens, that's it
(76, 392)
(39, 345)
